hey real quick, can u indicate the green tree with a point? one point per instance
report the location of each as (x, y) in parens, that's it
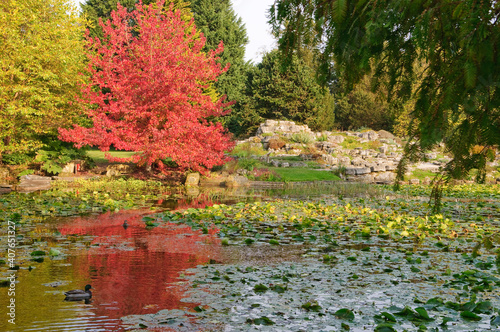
(41, 56)
(218, 22)
(293, 94)
(93, 10)
(457, 98)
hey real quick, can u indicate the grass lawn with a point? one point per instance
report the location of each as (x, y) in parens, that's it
(98, 155)
(303, 174)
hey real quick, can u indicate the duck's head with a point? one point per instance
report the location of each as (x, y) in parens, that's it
(87, 288)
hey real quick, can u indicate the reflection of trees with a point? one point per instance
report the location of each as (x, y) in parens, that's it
(135, 270)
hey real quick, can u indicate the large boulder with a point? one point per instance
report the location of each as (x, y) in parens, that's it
(30, 183)
(236, 181)
(384, 177)
(117, 169)
(192, 179)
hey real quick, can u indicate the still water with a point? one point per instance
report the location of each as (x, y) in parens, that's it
(132, 270)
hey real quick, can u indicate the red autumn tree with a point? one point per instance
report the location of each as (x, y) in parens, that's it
(146, 91)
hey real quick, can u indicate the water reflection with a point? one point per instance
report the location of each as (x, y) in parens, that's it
(132, 270)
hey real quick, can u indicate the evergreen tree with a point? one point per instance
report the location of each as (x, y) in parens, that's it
(218, 22)
(95, 9)
(293, 94)
(457, 99)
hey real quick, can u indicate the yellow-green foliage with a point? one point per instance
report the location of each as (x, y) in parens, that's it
(41, 56)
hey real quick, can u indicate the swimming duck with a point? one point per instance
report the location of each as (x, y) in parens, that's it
(78, 294)
(125, 225)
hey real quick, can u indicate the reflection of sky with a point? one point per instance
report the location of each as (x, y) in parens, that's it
(254, 14)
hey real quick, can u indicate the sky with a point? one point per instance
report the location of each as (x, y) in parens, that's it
(253, 13)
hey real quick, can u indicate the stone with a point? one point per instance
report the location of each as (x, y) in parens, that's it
(330, 160)
(390, 167)
(384, 177)
(414, 181)
(192, 191)
(369, 135)
(285, 164)
(69, 168)
(385, 134)
(337, 139)
(383, 149)
(357, 161)
(350, 171)
(236, 181)
(117, 169)
(378, 168)
(193, 179)
(363, 170)
(30, 183)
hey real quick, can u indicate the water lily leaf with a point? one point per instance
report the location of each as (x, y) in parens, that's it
(483, 307)
(389, 317)
(260, 321)
(38, 253)
(345, 326)
(467, 315)
(260, 288)
(344, 314)
(384, 328)
(423, 313)
(278, 289)
(495, 320)
(446, 320)
(54, 252)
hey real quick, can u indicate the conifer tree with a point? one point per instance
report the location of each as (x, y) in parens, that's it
(218, 22)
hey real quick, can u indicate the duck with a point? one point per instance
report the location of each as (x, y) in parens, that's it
(78, 294)
(125, 225)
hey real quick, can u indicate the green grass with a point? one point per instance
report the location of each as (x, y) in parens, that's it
(98, 156)
(422, 174)
(303, 174)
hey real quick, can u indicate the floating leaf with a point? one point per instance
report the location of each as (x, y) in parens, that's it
(344, 314)
(467, 315)
(260, 288)
(384, 328)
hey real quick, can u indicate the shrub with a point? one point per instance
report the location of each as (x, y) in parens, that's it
(247, 149)
(302, 137)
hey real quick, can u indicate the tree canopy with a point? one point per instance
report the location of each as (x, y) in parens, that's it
(218, 22)
(146, 91)
(41, 56)
(94, 10)
(457, 95)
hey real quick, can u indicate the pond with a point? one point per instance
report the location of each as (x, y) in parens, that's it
(321, 262)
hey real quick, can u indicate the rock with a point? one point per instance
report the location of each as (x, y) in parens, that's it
(192, 191)
(69, 168)
(357, 161)
(5, 188)
(338, 139)
(369, 135)
(285, 164)
(236, 181)
(193, 179)
(213, 180)
(414, 181)
(383, 149)
(363, 170)
(390, 167)
(330, 160)
(30, 183)
(385, 134)
(378, 168)
(384, 178)
(282, 127)
(117, 169)
(350, 171)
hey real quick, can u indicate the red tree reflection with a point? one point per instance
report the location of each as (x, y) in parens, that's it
(135, 270)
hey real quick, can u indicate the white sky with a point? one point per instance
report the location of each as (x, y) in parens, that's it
(253, 13)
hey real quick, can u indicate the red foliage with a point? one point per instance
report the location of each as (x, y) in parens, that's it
(147, 91)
